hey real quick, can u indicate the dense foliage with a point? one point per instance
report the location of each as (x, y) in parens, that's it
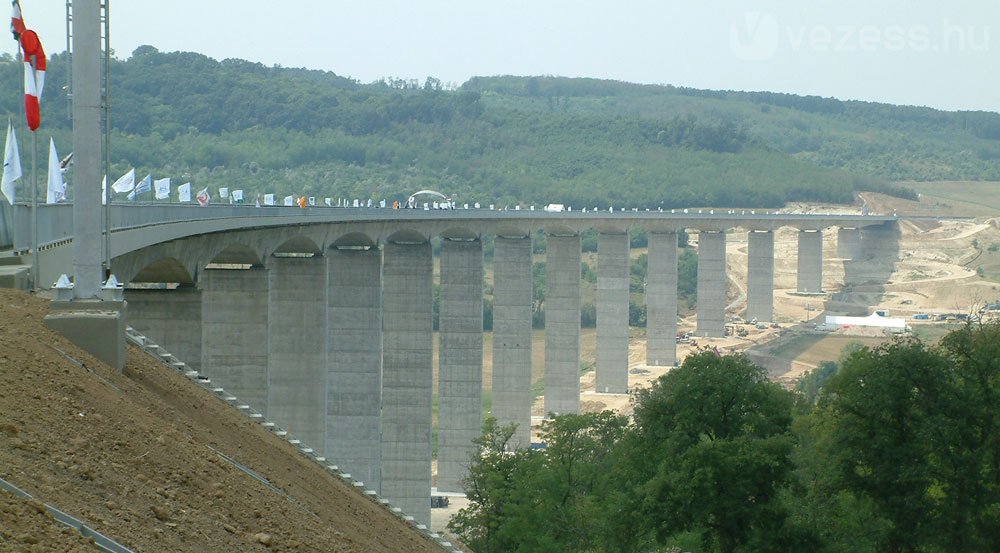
(894, 449)
(506, 140)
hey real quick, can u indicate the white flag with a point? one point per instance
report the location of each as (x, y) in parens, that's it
(329, 202)
(289, 200)
(145, 185)
(224, 193)
(162, 187)
(312, 200)
(11, 164)
(268, 199)
(57, 188)
(237, 196)
(184, 192)
(104, 190)
(126, 183)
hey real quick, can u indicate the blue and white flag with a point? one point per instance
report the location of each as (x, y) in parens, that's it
(145, 185)
(162, 187)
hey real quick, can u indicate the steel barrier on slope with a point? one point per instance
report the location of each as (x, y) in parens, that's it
(100, 540)
(173, 362)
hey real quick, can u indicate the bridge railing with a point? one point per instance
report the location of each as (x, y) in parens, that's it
(55, 222)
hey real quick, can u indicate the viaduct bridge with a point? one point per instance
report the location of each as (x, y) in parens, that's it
(321, 318)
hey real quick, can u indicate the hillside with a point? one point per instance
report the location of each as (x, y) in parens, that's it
(137, 456)
(507, 140)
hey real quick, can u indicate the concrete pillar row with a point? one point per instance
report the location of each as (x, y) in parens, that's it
(809, 278)
(612, 313)
(170, 318)
(296, 329)
(661, 300)
(562, 324)
(354, 351)
(760, 276)
(512, 297)
(711, 284)
(407, 343)
(234, 308)
(460, 359)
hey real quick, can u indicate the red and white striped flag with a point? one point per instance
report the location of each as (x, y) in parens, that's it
(34, 65)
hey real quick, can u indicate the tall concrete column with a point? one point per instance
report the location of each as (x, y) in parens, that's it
(460, 359)
(760, 276)
(296, 329)
(234, 305)
(612, 313)
(512, 335)
(87, 210)
(849, 243)
(354, 352)
(661, 300)
(711, 284)
(407, 342)
(170, 318)
(809, 278)
(562, 324)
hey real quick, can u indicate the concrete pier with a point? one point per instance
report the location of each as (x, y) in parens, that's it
(296, 328)
(170, 318)
(460, 359)
(849, 243)
(512, 335)
(760, 276)
(234, 305)
(562, 324)
(809, 278)
(407, 299)
(661, 300)
(612, 313)
(711, 284)
(354, 351)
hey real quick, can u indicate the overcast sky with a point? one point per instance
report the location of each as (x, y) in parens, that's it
(943, 54)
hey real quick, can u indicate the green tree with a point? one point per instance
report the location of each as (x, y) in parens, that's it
(714, 442)
(914, 430)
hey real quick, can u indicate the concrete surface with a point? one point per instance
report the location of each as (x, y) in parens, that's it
(760, 276)
(512, 282)
(612, 313)
(562, 324)
(711, 284)
(460, 360)
(407, 300)
(661, 300)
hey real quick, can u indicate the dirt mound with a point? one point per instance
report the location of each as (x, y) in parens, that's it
(144, 458)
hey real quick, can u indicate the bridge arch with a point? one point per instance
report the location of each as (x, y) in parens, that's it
(459, 233)
(164, 270)
(234, 254)
(300, 244)
(407, 236)
(354, 240)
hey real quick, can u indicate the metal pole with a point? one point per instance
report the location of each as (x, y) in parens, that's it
(36, 274)
(107, 135)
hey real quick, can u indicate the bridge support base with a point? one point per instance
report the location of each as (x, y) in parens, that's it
(96, 326)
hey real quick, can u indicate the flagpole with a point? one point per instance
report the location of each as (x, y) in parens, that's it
(34, 213)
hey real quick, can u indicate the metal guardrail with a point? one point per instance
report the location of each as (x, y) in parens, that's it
(55, 222)
(100, 540)
(171, 361)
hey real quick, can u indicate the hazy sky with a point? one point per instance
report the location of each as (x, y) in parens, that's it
(944, 54)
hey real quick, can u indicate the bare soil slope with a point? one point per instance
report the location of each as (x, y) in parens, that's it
(137, 457)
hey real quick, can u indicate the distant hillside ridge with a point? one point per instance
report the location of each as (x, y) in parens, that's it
(507, 140)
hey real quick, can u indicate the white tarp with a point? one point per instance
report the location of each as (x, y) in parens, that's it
(184, 192)
(874, 319)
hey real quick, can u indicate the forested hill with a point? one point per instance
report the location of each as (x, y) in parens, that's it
(505, 140)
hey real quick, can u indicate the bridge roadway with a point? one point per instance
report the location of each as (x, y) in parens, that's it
(321, 318)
